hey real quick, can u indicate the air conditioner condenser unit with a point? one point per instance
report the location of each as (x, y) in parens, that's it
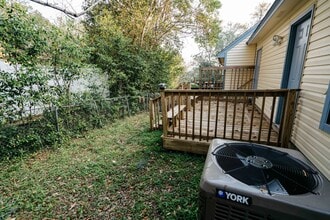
(242, 180)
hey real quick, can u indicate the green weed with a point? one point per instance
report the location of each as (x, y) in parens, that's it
(118, 172)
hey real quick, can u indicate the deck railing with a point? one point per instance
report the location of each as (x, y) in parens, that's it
(226, 78)
(245, 115)
(155, 113)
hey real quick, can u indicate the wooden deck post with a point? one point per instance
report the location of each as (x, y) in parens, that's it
(188, 99)
(164, 111)
(151, 115)
(288, 117)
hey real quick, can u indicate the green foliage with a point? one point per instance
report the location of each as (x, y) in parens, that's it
(208, 29)
(23, 39)
(21, 90)
(150, 24)
(40, 53)
(129, 67)
(67, 55)
(103, 175)
(17, 140)
(91, 111)
(228, 33)
(23, 36)
(136, 42)
(162, 66)
(113, 53)
(133, 62)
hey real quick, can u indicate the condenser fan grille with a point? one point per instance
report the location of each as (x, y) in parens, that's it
(261, 166)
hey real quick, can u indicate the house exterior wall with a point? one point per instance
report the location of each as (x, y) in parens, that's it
(273, 57)
(306, 136)
(240, 55)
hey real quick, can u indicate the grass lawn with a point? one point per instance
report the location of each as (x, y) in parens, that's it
(118, 172)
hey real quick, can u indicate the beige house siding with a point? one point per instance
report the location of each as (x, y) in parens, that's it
(307, 137)
(240, 55)
(273, 57)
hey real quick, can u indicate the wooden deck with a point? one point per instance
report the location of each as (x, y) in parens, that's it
(197, 125)
(244, 115)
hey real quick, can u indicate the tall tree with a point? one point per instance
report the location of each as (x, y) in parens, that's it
(67, 55)
(138, 41)
(64, 9)
(259, 11)
(129, 67)
(150, 23)
(229, 33)
(206, 34)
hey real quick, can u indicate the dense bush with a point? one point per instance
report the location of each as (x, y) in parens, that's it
(47, 59)
(131, 68)
(58, 124)
(18, 139)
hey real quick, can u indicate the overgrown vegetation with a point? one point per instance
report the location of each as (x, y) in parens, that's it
(104, 175)
(55, 125)
(47, 59)
(37, 105)
(133, 45)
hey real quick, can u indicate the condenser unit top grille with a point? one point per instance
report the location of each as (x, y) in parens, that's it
(270, 170)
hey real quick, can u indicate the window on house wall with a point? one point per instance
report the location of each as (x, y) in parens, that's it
(325, 119)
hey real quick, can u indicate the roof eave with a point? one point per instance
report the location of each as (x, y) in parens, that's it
(264, 21)
(224, 51)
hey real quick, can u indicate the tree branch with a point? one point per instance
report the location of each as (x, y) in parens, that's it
(74, 14)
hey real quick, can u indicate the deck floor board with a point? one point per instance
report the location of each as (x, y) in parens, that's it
(234, 129)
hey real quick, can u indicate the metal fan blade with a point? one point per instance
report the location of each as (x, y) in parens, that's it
(293, 181)
(243, 159)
